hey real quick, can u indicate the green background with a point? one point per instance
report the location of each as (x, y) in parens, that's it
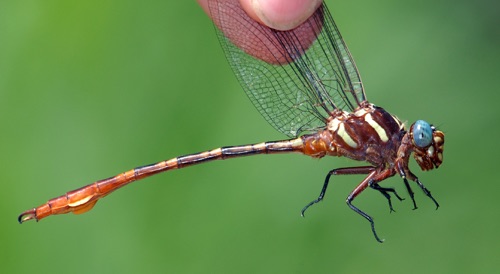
(89, 89)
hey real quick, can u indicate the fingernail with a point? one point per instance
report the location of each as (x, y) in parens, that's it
(284, 14)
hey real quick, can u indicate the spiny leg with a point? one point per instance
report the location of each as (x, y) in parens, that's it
(362, 186)
(427, 192)
(337, 171)
(384, 191)
(366, 216)
(414, 178)
(410, 192)
(321, 194)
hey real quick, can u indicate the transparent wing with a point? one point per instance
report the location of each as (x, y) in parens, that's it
(294, 78)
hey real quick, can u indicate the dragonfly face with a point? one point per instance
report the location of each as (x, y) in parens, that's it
(428, 145)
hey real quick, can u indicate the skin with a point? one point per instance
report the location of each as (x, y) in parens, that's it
(277, 14)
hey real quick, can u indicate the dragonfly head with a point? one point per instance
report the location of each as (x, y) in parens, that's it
(428, 145)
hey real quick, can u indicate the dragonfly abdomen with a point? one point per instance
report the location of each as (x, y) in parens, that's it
(83, 199)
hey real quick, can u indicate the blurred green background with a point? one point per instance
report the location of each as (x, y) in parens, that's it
(93, 88)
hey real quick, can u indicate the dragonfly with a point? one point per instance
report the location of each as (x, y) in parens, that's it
(305, 83)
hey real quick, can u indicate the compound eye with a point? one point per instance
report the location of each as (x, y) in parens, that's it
(422, 133)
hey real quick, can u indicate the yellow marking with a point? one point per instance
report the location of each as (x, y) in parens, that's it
(345, 136)
(430, 151)
(380, 131)
(297, 143)
(85, 208)
(259, 146)
(360, 112)
(129, 174)
(438, 140)
(440, 156)
(172, 163)
(80, 202)
(333, 125)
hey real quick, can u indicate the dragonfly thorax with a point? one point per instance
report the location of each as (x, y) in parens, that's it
(369, 134)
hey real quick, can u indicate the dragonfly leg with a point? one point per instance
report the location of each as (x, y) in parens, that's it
(384, 191)
(410, 192)
(366, 216)
(362, 186)
(427, 192)
(337, 171)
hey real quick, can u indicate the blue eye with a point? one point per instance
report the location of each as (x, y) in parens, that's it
(422, 133)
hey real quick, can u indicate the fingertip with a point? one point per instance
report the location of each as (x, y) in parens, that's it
(280, 14)
(248, 7)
